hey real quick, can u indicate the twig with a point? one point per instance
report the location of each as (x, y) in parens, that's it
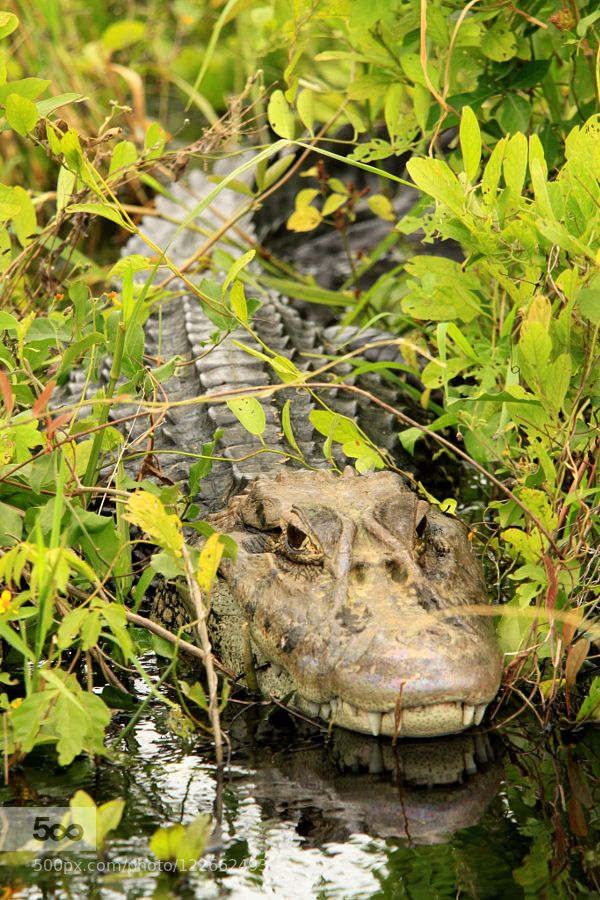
(200, 608)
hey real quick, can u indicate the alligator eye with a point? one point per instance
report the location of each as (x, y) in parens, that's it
(296, 539)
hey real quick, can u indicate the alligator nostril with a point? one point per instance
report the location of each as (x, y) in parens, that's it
(396, 572)
(359, 573)
(421, 527)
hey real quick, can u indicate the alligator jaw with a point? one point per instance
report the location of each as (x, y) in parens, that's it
(430, 720)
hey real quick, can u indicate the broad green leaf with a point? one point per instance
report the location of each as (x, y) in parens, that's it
(499, 43)
(133, 263)
(25, 222)
(394, 100)
(237, 298)
(436, 178)
(9, 203)
(155, 140)
(540, 189)
(491, 174)
(249, 413)
(104, 210)
(124, 154)
(148, 513)
(470, 142)
(305, 105)
(514, 114)
(536, 151)
(30, 88)
(514, 164)
(65, 186)
(21, 114)
(588, 303)
(8, 23)
(70, 148)
(46, 107)
(122, 34)
(280, 116)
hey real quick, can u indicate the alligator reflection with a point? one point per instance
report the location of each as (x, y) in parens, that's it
(418, 791)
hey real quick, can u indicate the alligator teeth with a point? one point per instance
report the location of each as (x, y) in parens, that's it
(481, 744)
(277, 670)
(376, 760)
(468, 713)
(333, 703)
(479, 713)
(325, 711)
(470, 766)
(313, 709)
(375, 722)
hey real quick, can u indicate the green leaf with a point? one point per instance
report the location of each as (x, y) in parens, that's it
(249, 413)
(237, 267)
(514, 164)
(499, 43)
(274, 172)
(104, 210)
(122, 34)
(514, 114)
(11, 523)
(8, 23)
(280, 116)
(237, 298)
(470, 142)
(305, 106)
(65, 185)
(30, 88)
(8, 322)
(286, 423)
(25, 222)
(588, 303)
(155, 140)
(491, 174)
(124, 155)
(46, 107)
(15, 640)
(436, 178)
(21, 114)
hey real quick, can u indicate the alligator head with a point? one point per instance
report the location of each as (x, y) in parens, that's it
(358, 591)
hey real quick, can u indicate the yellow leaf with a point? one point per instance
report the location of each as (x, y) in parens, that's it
(148, 513)
(306, 219)
(208, 563)
(382, 207)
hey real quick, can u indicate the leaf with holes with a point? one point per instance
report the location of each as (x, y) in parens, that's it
(249, 413)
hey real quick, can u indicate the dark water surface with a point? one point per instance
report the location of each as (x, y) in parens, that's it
(491, 815)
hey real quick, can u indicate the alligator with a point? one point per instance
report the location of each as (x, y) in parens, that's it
(350, 595)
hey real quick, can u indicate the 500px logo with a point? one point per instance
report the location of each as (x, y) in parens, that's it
(44, 831)
(49, 829)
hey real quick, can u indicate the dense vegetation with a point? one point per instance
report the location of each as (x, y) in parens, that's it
(498, 106)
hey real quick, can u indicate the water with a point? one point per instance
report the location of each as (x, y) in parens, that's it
(305, 815)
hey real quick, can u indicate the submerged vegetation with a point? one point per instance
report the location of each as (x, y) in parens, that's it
(495, 106)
